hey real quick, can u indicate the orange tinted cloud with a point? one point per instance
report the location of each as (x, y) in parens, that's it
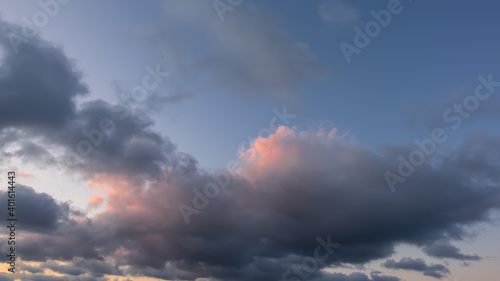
(23, 174)
(287, 151)
(96, 201)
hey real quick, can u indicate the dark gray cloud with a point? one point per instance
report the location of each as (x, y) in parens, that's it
(444, 249)
(34, 153)
(37, 212)
(128, 144)
(38, 87)
(38, 84)
(79, 267)
(100, 138)
(356, 276)
(64, 269)
(283, 212)
(375, 275)
(30, 269)
(435, 270)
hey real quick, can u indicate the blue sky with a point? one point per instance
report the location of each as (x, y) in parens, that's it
(386, 81)
(229, 73)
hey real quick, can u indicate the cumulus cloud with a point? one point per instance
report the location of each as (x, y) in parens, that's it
(38, 85)
(112, 139)
(296, 186)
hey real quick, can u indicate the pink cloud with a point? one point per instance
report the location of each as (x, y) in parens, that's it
(95, 201)
(288, 152)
